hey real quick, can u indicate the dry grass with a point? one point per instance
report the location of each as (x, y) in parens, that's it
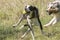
(10, 11)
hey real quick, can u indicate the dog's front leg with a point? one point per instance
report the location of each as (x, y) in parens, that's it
(19, 21)
(30, 26)
(48, 24)
(55, 21)
(25, 33)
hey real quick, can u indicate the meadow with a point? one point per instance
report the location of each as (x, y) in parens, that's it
(10, 11)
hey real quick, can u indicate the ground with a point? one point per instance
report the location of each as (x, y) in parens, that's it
(10, 11)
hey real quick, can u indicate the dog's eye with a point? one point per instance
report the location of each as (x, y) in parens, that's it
(51, 7)
(58, 6)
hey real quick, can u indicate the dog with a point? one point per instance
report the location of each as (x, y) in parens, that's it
(31, 12)
(53, 9)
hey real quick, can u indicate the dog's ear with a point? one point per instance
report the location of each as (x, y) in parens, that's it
(50, 3)
(31, 8)
(58, 5)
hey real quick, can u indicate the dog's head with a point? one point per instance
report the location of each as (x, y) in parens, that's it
(53, 7)
(29, 8)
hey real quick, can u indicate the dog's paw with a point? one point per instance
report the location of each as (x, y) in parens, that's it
(14, 26)
(45, 25)
(22, 37)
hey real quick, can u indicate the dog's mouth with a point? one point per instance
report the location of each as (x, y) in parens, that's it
(50, 13)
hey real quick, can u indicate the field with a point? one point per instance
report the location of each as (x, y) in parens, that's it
(10, 11)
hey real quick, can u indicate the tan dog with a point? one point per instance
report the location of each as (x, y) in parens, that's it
(54, 10)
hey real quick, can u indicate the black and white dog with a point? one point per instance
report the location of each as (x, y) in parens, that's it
(30, 13)
(54, 10)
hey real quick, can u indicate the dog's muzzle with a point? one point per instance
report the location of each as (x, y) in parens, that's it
(50, 11)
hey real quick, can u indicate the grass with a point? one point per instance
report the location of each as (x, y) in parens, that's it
(10, 11)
